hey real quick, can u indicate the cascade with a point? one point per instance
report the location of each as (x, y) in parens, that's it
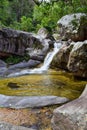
(44, 67)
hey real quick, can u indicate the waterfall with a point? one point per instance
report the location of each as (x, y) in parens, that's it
(44, 67)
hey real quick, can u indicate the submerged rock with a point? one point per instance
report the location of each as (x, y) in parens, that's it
(7, 126)
(30, 101)
(73, 26)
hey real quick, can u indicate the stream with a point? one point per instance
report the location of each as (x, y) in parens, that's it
(38, 82)
(42, 81)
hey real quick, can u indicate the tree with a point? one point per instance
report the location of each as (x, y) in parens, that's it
(4, 11)
(48, 13)
(21, 8)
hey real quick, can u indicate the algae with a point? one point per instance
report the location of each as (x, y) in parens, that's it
(58, 83)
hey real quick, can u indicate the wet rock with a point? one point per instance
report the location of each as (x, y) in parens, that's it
(22, 65)
(2, 71)
(38, 58)
(73, 26)
(2, 64)
(7, 126)
(71, 116)
(78, 59)
(30, 101)
(3, 67)
(60, 60)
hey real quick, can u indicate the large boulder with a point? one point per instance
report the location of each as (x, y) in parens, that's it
(16, 42)
(71, 116)
(73, 26)
(78, 59)
(20, 43)
(72, 57)
(60, 60)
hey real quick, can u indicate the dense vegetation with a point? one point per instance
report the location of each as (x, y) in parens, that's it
(30, 15)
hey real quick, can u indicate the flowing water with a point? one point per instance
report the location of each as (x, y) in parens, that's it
(45, 65)
(41, 81)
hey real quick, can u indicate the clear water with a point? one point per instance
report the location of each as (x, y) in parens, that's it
(50, 83)
(41, 81)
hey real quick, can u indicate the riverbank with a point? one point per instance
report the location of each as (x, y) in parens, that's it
(37, 118)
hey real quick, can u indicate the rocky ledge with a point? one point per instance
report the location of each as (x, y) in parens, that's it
(28, 49)
(73, 58)
(71, 116)
(30, 101)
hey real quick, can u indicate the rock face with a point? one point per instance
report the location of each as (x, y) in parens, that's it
(60, 60)
(44, 34)
(16, 42)
(30, 101)
(73, 26)
(72, 57)
(71, 116)
(78, 59)
(7, 126)
(20, 43)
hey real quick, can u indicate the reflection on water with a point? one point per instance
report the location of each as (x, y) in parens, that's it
(51, 83)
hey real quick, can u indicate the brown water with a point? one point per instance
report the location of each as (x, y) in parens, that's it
(57, 83)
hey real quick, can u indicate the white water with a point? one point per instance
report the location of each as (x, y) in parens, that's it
(45, 65)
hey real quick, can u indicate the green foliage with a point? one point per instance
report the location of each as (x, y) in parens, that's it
(26, 24)
(25, 15)
(4, 11)
(47, 14)
(16, 59)
(20, 8)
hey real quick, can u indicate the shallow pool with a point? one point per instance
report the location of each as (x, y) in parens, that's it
(53, 82)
